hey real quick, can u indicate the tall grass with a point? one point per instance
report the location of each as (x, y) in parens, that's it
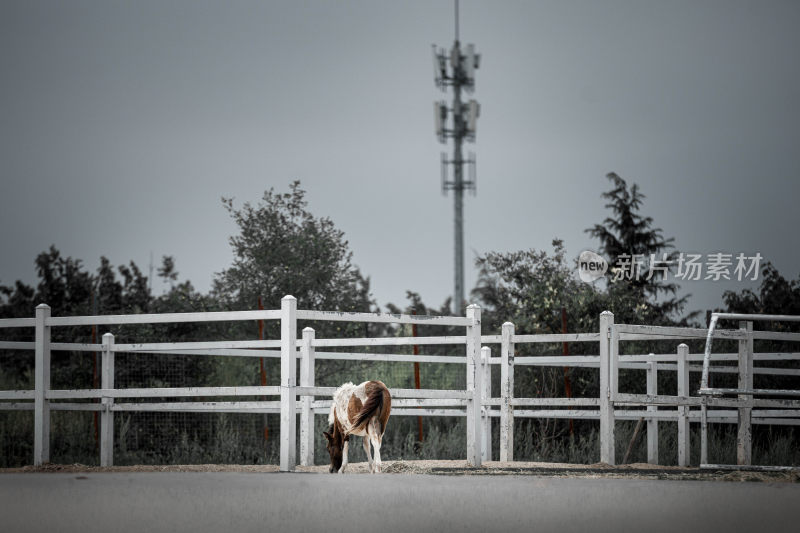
(238, 439)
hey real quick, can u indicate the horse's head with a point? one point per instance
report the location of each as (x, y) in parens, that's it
(335, 445)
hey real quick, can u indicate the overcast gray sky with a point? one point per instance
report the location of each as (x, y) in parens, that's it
(123, 123)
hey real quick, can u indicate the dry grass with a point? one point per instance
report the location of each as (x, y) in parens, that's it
(456, 467)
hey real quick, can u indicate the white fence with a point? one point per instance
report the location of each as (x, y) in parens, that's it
(747, 395)
(476, 402)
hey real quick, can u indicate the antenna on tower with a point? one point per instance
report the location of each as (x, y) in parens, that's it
(462, 127)
(456, 20)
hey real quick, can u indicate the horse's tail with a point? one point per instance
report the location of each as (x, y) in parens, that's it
(379, 403)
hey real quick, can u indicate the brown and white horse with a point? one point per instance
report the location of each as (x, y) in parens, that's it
(361, 410)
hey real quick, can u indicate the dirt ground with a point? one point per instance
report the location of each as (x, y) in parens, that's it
(597, 470)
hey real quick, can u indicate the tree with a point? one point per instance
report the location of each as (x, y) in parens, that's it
(63, 284)
(167, 270)
(530, 287)
(281, 249)
(776, 295)
(629, 237)
(416, 305)
(68, 289)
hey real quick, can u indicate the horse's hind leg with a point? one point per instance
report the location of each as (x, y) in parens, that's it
(374, 432)
(369, 453)
(344, 455)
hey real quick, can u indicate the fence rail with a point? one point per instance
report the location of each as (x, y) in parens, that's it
(476, 401)
(745, 390)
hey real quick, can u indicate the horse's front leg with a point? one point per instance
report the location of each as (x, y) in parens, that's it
(344, 455)
(369, 453)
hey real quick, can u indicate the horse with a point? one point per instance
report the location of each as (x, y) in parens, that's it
(361, 410)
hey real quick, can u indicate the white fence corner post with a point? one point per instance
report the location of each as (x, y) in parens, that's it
(507, 393)
(652, 423)
(486, 429)
(107, 415)
(684, 444)
(307, 412)
(474, 386)
(744, 432)
(41, 413)
(288, 450)
(607, 384)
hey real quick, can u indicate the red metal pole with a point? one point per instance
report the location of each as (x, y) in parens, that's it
(263, 372)
(565, 351)
(416, 375)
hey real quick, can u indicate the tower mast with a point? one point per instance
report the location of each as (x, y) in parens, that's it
(461, 77)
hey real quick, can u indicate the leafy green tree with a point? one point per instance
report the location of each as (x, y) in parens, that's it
(68, 288)
(530, 287)
(167, 270)
(108, 293)
(281, 249)
(63, 283)
(776, 295)
(17, 301)
(416, 305)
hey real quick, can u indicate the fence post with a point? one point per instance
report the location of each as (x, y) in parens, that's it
(744, 431)
(684, 444)
(288, 379)
(307, 413)
(652, 423)
(107, 415)
(474, 386)
(41, 405)
(607, 385)
(507, 393)
(486, 429)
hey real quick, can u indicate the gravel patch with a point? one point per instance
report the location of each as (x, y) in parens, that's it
(458, 468)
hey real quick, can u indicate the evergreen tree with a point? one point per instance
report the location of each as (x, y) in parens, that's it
(640, 258)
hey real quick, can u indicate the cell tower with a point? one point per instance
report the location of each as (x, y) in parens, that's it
(462, 126)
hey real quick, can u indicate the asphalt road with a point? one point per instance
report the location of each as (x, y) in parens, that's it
(233, 502)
